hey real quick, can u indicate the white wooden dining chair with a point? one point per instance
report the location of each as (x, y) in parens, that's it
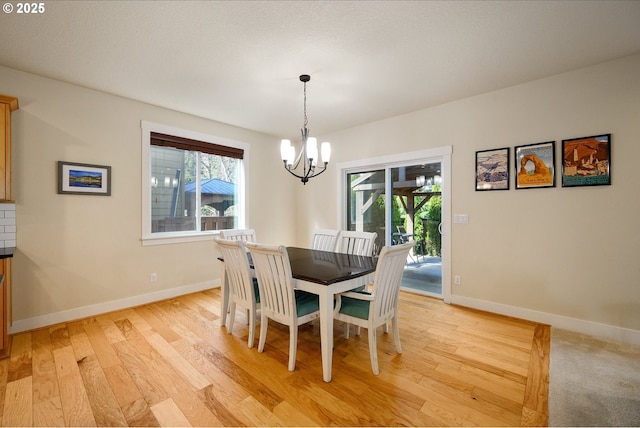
(279, 300)
(357, 243)
(371, 309)
(245, 235)
(324, 239)
(243, 288)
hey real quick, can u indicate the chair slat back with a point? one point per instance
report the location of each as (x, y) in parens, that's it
(236, 265)
(325, 239)
(244, 235)
(273, 270)
(388, 277)
(357, 243)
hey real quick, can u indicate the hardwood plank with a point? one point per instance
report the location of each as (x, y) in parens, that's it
(258, 414)
(44, 381)
(48, 413)
(59, 336)
(145, 380)
(122, 384)
(19, 367)
(110, 329)
(133, 317)
(182, 366)
(21, 343)
(169, 415)
(222, 410)
(73, 396)
(180, 391)
(102, 345)
(4, 365)
(535, 407)
(18, 403)
(160, 327)
(104, 405)
(292, 416)
(139, 414)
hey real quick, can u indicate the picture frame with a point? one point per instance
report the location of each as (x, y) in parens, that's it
(492, 169)
(586, 161)
(535, 165)
(84, 179)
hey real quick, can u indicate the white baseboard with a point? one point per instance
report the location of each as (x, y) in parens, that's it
(604, 331)
(102, 308)
(609, 332)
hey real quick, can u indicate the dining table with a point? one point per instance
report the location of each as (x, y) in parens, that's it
(324, 273)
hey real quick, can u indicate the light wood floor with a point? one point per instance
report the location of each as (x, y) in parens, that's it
(171, 364)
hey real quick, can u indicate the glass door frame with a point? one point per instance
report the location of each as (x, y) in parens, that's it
(386, 163)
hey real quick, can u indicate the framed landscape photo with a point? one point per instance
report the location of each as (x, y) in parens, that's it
(535, 165)
(586, 161)
(492, 169)
(84, 179)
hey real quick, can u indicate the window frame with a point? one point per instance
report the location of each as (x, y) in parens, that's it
(160, 238)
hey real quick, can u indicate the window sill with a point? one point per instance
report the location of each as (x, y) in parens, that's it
(178, 237)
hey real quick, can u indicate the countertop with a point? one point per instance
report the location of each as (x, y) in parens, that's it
(6, 253)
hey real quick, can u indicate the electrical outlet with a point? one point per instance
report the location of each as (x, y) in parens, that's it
(457, 280)
(154, 277)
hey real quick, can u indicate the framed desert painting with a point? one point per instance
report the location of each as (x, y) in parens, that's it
(586, 161)
(535, 165)
(492, 169)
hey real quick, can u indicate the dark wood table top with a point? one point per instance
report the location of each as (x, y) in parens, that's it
(326, 267)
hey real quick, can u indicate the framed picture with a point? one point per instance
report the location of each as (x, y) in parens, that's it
(535, 165)
(492, 169)
(84, 179)
(586, 161)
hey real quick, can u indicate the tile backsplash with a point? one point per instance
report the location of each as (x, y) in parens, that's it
(7, 224)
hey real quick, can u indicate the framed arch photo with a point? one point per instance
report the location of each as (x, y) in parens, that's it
(535, 165)
(586, 161)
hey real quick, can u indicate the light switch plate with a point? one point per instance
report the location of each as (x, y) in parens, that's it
(461, 218)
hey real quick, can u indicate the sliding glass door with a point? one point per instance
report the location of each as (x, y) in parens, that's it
(415, 217)
(402, 201)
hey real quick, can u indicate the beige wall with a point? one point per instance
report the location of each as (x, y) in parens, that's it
(567, 256)
(79, 254)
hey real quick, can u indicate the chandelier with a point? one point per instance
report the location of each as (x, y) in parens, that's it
(308, 156)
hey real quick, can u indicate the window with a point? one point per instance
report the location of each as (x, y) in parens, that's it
(193, 184)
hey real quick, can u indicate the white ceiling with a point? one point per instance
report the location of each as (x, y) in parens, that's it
(238, 62)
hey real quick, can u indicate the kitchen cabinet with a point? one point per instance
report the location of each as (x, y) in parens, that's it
(7, 106)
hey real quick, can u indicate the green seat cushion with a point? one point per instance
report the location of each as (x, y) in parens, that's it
(355, 307)
(306, 303)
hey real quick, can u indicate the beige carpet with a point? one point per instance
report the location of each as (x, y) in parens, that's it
(593, 382)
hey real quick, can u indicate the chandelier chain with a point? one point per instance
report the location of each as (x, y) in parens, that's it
(305, 105)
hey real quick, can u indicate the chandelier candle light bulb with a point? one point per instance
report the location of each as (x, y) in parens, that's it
(308, 156)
